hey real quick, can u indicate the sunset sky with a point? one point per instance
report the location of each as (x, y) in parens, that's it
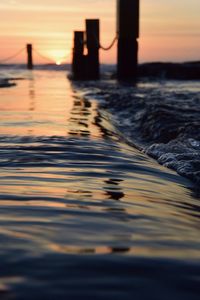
(169, 29)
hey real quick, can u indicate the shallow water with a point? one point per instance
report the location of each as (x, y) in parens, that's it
(82, 213)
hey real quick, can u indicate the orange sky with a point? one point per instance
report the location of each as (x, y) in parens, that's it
(170, 29)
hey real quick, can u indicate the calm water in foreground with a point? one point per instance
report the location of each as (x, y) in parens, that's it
(83, 214)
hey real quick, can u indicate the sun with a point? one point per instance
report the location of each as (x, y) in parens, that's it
(59, 56)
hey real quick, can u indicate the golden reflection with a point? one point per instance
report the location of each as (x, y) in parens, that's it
(32, 95)
(32, 98)
(52, 111)
(82, 250)
(82, 119)
(78, 194)
(140, 251)
(15, 234)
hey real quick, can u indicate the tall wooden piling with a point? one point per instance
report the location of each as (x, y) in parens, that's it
(29, 57)
(78, 61)
(92, 42)
(128, 33)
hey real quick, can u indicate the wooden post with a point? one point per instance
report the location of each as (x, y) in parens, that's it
(128, 33)
(78, 63)
(92, 41)
(29, 57)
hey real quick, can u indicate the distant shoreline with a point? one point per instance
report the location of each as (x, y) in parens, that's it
(189, 70)
(170, 70)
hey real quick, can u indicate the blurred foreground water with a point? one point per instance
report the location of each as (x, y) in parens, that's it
(83, 213)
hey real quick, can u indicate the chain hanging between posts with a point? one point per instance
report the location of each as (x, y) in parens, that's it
(110, 46)
(42, 56)
(12, 56)
(47, 58)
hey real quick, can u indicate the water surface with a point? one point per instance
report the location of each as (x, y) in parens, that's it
(82, 213)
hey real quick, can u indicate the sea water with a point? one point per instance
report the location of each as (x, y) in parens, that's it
(85, 212)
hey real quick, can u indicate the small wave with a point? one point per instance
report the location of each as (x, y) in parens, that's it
(162, 118)
(178, 156)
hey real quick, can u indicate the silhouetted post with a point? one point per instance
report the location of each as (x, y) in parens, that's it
(29, 57)
(128, 33)
(78, 63)
(92, 41)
